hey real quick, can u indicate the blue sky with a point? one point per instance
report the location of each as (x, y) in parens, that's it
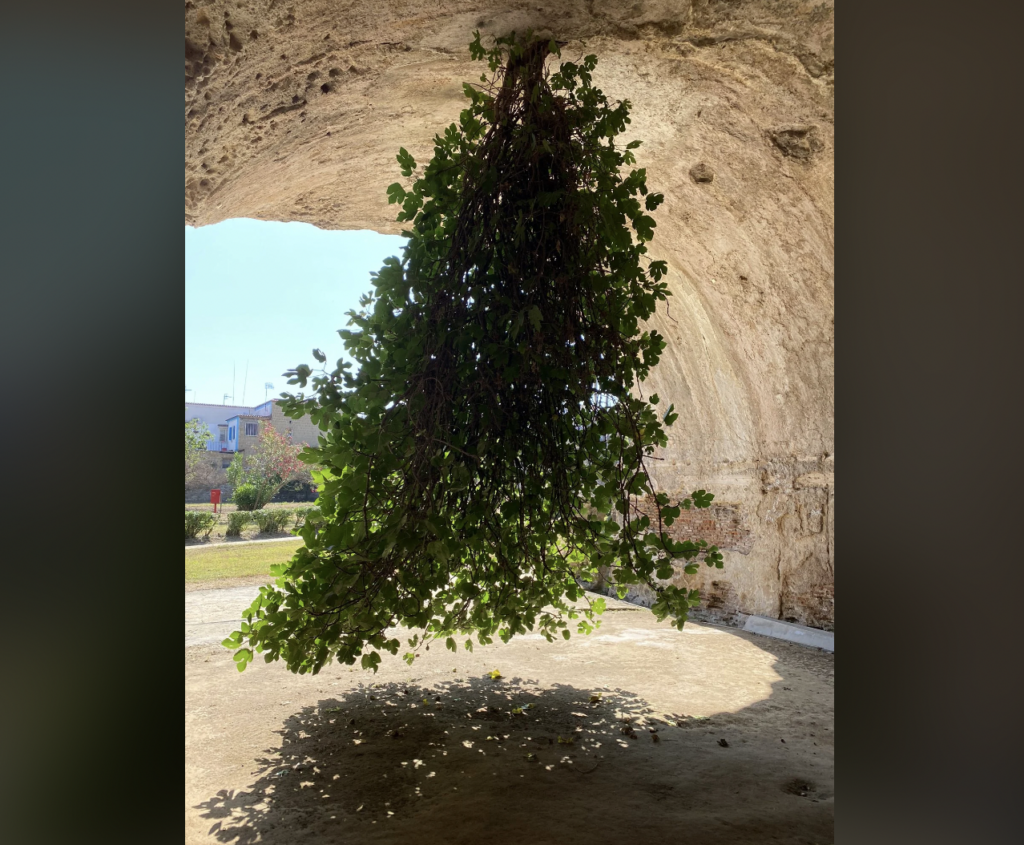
(264, 294)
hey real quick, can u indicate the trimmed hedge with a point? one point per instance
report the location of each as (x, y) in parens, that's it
(237, 520)
(271, 522)
(246, 497)
(302, 515)
(199, 522)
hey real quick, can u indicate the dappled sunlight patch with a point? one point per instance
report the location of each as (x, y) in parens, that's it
(376, 753)
(524, 755)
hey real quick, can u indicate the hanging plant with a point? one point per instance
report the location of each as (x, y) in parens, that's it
(488, 454)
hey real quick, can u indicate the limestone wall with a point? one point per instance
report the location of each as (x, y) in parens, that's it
(294, 111)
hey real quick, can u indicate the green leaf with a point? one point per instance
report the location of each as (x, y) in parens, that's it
(535, 318)
(406, 162)
(702, 499)
(396, 193)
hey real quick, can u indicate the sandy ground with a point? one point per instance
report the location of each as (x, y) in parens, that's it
(221, 583)
(729, 739)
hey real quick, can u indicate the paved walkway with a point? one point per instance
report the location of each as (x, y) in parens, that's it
(220, 544)
(210, 615)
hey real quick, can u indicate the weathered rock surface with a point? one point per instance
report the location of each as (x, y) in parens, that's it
(701, 173)
(295, 110)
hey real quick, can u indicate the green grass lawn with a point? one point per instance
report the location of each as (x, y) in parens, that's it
(230, 560)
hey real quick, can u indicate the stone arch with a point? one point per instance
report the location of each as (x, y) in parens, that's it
(300, 119)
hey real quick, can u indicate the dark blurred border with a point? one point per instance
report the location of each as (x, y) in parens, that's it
(929, 389)
(92, 263)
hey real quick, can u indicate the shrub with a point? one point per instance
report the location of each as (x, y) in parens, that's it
(263, 519)
(271, 522)
(196, 435)
(304, 515)
(272, 461)
(247, 497)
(199, 522)
(237, 520)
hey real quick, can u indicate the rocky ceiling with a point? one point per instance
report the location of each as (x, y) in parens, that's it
(295, 110)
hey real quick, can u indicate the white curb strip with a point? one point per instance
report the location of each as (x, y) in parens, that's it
(801, 634)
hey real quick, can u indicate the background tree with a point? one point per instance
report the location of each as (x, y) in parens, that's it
(196, 436)
(490, 450)
(257, 475)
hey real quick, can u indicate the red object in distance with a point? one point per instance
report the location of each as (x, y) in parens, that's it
(215, 499)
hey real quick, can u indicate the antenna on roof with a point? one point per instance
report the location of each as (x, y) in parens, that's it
(266, 387)
(244, 380)
(226, 397)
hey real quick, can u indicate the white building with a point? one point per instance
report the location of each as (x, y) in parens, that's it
(216, 418)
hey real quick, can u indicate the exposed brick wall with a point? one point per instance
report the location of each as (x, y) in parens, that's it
(814, 606)
(721, 525)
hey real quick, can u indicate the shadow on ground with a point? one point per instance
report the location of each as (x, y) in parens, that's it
(472, 760)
